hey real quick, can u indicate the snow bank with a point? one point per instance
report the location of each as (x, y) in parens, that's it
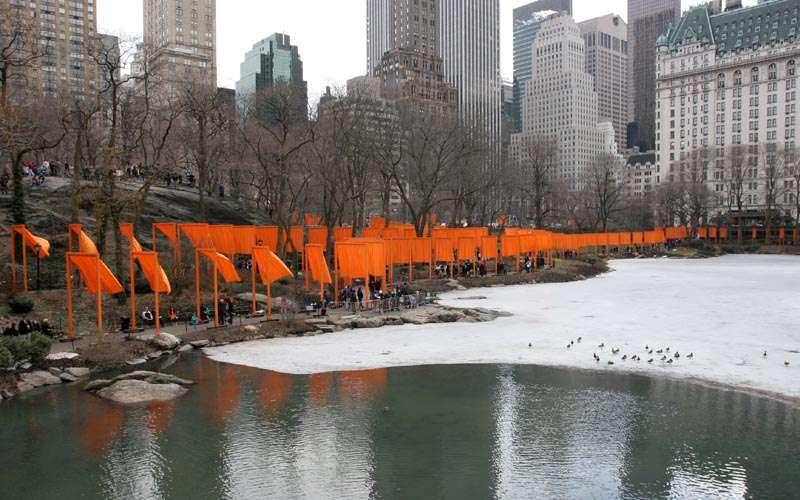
(727, 311)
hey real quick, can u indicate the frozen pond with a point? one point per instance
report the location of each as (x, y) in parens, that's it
(726, 311)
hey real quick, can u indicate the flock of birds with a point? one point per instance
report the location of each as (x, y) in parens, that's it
(667, 356)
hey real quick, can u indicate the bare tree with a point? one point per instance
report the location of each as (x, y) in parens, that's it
(603, 186)
(21, 48)
(734, 176)
(534, 176)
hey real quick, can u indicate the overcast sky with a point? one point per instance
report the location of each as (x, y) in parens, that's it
(331, 35)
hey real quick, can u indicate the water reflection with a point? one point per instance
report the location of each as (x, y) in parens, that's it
(448, 432)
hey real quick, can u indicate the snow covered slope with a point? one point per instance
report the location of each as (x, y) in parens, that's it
(726, 311)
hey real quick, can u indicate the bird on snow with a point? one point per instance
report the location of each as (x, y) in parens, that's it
(691, 355)
(602, 346)
(611, 363)
(669, 362)
(614, 351)
(663, 358)
(579, 339)
(650, 361)
(677, 355)
(786, 363)
(659, 351)
(667, 349)
(765, 354)
(625, 357)
(650, 351)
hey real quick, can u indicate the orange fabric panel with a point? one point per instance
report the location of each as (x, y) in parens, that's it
(170, 231)
(443, 250)
(318, 236)
(376, 254)
(267, 236)
(89, 265)
(224, 238)
(712, 233)
(296, 238)
(312, 220)
(244, 238)
(376, 222)
(468, 248)
(225, 267)
(86, 245)
(342, 233)
(153, 271)
(420, 250)
(702, 233)
(723, 233)
(400, 251)
(270, 267)
(510, 246)
(316, 262)
(198, 234)
(489, 247)
(32, 241)
(782, 234)
(126, 230)
(351, 260)
(637, 238)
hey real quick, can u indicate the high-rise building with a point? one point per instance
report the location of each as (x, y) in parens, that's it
(647, 20)
(470, 48)
(408, 24)
(180, 36)
(65, 33)
(726, 105)
(560, 103)
(272, 61)
(403, 52)
(526, 23)
(606, 40)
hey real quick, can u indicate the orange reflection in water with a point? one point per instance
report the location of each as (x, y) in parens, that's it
(362, 384)
(101, 425)
(229, 388)
(275, 390)
(159, 415)
(319, 386)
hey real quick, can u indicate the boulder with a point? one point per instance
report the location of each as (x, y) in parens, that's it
(24, 387)
(393, 321)
(415, 317)
(185, 348)
(199, 343)
(38, 379)
(24, 366)
(317, 321)
(165, 341)
(79, 372)
(60, 356)
(130, 392)
(154, 378)
(251, 328)
(136, 362)
(54, 371)
(156, 354)
(98, 384)
(7, 394)
(373, 322)
(67, 378)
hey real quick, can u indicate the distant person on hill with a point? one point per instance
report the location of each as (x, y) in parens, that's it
(147, 316)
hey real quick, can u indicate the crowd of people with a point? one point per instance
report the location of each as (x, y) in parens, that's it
(24, 327)
(355, 299)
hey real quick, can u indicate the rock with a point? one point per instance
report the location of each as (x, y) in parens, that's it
(163, 378)
(54, 371)
(415, 317)
(60, 356)
(38, 379)
(129, 392)
(393, 321)
(165, 341)
(317, 321)
(199, 343)
(67, 378)
(136, 362)
(156, 355)
(327, 328)
(7, 394)
(25, 366)
(251, 328)
(78, 372)
(185, 348)
(248, 297)
(374, 322)
(98, 384)
(24, 387)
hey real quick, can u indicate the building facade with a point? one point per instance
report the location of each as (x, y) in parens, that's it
(560, 103)
(272, 61)
(180, 36)
(470, 48)
(726, 105)
(607, 61)
(647, 20)
(407, 24)
(639, 175)
(526, 23)
(65, 33)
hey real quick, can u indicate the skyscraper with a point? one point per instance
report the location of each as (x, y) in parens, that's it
(63, 34)
(403, 52)
(470, 48)
(272, 61)
(560, 103)
(408, 24)
(526, 23)
(180, 39)
(647, 20)
(607, 61)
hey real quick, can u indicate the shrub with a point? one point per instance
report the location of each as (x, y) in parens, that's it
(39, 347)
(6, 359)
(18, 347)
(20, 304)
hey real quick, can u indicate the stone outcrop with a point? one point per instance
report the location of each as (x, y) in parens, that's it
(39, 379)
(131, 392)
(165, 341)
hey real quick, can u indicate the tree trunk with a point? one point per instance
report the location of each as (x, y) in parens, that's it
(18, 198)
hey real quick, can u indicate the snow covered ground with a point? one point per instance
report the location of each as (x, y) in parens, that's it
(727, 311)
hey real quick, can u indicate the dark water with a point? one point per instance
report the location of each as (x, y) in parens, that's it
(429, 432)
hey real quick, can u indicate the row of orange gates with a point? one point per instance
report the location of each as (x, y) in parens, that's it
(375, 255)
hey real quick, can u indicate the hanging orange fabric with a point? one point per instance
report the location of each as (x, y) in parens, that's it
(489, 247)
(244, 238)
(270, 267)
(723, 233)
(296, 238)
(89, 265)
(420, 250)
(156, 277)
(317, 264)
(170, 231)
(224, 266)
(510, 246)
(376, 222)
(443, 250)
(400, 251)
(36, 244)
(702, 233)
(126, 230)
(312, 220)
(468, 248)
(342, 233)
(351, 259)
(267, 236)
(198, 234)
(318, 236)
(224, 238)
(86, 245)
